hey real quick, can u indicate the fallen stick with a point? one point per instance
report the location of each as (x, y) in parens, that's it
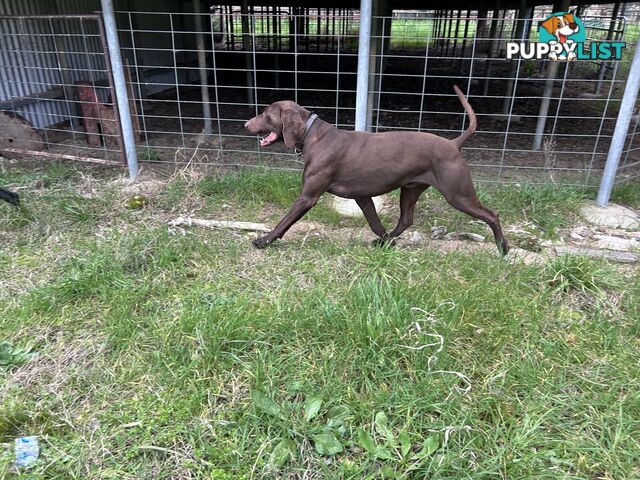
(199, 222)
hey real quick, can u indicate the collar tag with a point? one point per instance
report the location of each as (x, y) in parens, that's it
(297, 151)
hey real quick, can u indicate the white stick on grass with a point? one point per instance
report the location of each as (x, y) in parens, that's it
(199, 222)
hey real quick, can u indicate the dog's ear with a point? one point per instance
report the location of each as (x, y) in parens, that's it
(292, 127)
(570, 18)
(550, 25)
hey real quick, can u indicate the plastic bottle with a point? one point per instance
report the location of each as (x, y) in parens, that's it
(27, 451)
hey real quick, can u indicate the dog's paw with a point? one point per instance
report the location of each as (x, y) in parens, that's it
(503, 247)
(261, 242)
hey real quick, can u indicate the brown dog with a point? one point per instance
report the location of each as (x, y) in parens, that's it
(362, 165)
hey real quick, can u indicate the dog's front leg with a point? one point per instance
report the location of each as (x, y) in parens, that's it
(369, 210)
(313, 187)
(301, 206)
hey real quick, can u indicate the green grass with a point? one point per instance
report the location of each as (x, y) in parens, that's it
(157, 353)
(627, 193)
(404, 32)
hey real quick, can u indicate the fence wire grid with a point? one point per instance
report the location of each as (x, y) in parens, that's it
(194, 79)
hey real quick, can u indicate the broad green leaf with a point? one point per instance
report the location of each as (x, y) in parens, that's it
(12, 355)
(381, 423)
(366, 442)
(337, 416)
(312, 407)
(326, 443)
(405, 443)
(383, 453)
(429, 447)
(282, 452)
(266, 404)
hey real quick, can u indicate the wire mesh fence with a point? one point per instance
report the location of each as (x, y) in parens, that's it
(196, 78)
(55, 85)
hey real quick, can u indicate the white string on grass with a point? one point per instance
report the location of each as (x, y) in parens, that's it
(461, 376)
(431, 319)
(448, 430)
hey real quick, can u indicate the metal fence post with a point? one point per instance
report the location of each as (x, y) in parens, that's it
(364, 49)
(122, 99)
(247, 44)
(612, 26)
(552, 69)
(363, 106)
(523, 17)
(622, 126)
(202, 68)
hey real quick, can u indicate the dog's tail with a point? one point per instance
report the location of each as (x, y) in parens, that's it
(472, 119)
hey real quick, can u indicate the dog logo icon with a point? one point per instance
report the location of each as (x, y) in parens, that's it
(561, 31)
(563, 36)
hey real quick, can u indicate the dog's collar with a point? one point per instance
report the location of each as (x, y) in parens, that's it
(310, 121)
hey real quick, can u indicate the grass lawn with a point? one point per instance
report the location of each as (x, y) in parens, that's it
(135, 351)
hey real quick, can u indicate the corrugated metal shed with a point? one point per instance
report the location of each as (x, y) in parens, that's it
(41, 56)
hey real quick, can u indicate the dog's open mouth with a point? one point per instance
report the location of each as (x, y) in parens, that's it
(268, 139)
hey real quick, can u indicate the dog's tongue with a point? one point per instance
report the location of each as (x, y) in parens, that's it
(563, 38)
(269, 139)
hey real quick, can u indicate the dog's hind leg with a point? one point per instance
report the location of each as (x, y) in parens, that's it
(408, 198)
(477, 210)
(369, 210)
(461, 195)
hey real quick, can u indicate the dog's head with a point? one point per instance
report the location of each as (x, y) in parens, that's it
(283, 120)
(561, 26)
